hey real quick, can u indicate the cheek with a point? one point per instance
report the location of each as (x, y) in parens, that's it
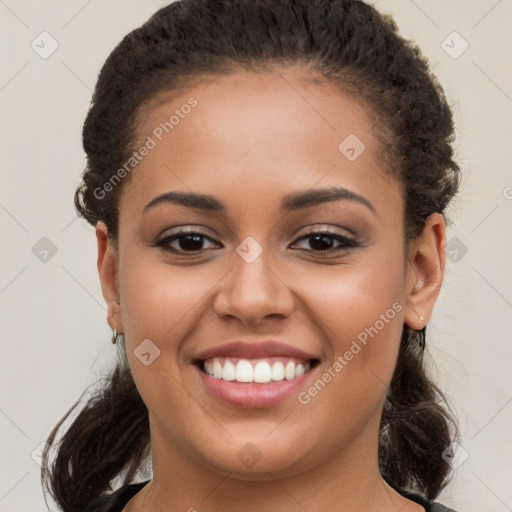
(359, 309)
(162, 303)
(347, 299)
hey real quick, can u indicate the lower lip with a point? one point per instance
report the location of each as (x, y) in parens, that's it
(251, 394)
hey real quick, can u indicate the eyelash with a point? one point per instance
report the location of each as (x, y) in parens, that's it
(347, 243)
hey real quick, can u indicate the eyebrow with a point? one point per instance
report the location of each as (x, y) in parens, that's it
(290, 202)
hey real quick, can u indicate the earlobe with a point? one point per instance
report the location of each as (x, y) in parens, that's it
(425, 272)
(107, 270)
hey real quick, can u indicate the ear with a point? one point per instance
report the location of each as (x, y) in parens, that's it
(107, 270)
(425, 271)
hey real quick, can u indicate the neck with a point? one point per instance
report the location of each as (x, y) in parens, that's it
(347, 480)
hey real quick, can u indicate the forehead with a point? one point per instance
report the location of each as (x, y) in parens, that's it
(276, 131)
(285, 103)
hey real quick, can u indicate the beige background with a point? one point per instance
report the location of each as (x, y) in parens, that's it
(55, 339)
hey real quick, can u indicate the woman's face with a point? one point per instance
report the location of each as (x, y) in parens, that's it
(253, 283)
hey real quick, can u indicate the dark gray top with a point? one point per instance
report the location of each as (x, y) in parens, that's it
(116, 501)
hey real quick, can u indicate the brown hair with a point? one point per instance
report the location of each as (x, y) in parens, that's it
(349, 43)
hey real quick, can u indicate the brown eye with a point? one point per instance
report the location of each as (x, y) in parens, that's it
(327, 242)
(185, 242)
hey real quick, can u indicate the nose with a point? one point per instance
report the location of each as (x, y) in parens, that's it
(252, 292)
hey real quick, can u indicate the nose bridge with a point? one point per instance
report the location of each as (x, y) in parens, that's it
(253, 289)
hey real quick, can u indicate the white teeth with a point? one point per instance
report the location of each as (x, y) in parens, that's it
(299, 370)
(289, 370)
(277, 371)
(244, 371)
(229, 372)
(217, 369)
(260, 371)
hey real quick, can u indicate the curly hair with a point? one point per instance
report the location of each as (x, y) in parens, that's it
(351, 45)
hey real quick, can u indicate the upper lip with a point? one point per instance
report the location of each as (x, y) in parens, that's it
(254, 350)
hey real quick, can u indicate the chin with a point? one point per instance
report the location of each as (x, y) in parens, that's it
(257, 460)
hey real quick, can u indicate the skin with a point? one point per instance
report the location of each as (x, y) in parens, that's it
(251, 140)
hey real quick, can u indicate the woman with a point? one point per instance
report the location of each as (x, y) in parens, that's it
(267, 180)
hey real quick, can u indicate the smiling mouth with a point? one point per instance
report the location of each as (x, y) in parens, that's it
(259, 371)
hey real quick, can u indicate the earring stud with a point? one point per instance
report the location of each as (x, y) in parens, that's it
(118, 340)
